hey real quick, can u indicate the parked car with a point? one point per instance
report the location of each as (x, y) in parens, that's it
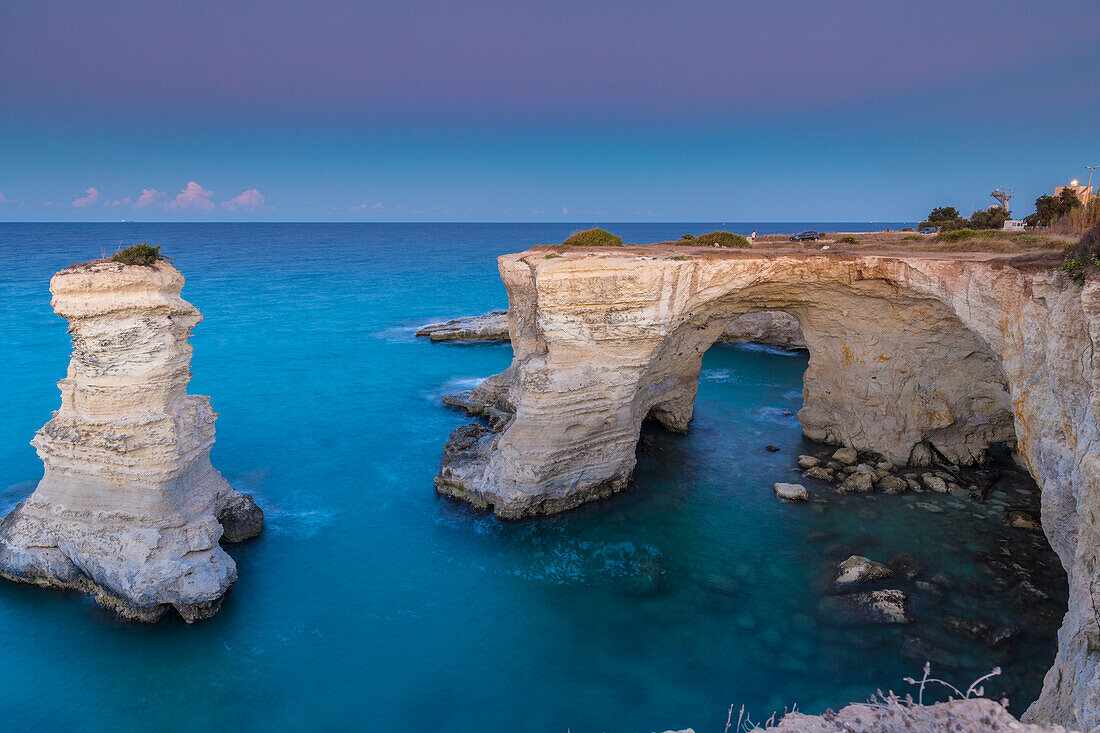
(928, 230)
(805, 237)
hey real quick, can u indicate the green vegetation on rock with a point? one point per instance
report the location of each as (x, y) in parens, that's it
(594, 238)
(1082, 258)
(139, 254)
(722, 239)
(960, 235)
(849, 240)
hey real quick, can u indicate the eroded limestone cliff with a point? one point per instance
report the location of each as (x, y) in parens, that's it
(910, 356)
(129, 509)
(774, 328)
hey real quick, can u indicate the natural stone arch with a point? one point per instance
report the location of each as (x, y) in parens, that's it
(890, 372)
(592, 331)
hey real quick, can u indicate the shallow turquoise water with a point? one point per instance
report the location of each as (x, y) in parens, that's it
(371, 604)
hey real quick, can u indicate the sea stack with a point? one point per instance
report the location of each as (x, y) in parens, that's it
(130, 509)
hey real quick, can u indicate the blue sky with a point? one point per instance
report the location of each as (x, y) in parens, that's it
(428, 110)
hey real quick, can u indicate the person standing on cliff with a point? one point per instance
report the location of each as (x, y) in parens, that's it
(752, 237)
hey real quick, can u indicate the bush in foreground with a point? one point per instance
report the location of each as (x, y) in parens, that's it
(849, 240)
(1083, 257)
(722, 239)
(594, 238)
(139, 254)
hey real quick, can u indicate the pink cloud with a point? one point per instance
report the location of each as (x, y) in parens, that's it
(4, 199)
(148, 197)
(90, 197)
(250, 199)
(193, 197)
(121, 202)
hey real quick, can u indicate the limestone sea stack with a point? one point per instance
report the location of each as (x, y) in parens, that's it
(130, 509)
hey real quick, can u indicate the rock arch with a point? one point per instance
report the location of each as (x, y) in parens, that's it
(907, 352)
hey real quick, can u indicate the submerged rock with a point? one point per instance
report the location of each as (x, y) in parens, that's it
(129, 509)
(859, 569)
(876, 607)
(1022, 519)
(906, 565)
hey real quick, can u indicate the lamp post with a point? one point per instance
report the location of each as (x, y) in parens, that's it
(1091, 168)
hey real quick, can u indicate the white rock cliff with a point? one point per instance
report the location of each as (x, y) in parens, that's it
(910, 356)
(129, 509)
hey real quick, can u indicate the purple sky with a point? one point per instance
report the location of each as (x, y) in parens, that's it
(540, 111)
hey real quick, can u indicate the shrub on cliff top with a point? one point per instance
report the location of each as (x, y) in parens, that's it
(722, 239)
(849, 240)
(138, 254)
(594, 238)
(960, 235)
(1083, 257)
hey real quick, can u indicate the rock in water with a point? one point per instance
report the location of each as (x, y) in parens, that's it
(490, 327)
(1022, 519)
(791, 492)
(808, 461)
(934, 483)
(129, 509)
(847, 456)
(859, 569)
(876, 607)
(861, 480)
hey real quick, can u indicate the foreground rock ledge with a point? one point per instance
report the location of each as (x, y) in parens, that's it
(129, 510)
(975, 715)
(910, 355)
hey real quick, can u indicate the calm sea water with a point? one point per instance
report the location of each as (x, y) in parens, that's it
(371, 604)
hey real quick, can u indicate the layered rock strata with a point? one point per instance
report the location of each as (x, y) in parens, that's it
(130, 509)
(774, 328)
(489, 327)
(910, 355)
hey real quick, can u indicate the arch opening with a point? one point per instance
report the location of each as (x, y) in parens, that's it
(894, 374)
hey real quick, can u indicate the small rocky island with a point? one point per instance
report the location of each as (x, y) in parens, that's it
(922, 360)
(129, 510)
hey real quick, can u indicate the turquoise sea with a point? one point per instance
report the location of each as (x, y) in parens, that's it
(371, 604)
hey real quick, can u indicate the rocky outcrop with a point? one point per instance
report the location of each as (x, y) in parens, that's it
(975, 715)
(490, 327)
(859, 569)
(129, 509)
(914, 358)
(773, 328)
